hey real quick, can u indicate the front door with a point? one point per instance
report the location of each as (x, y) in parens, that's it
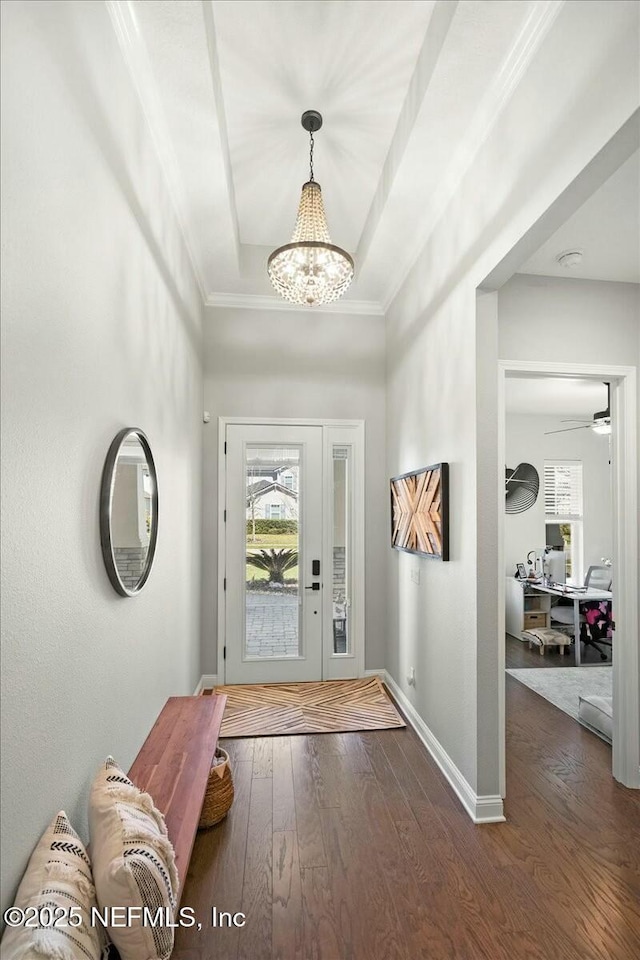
(274, 529)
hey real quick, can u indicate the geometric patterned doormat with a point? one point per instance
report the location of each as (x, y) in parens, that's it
(330, 706)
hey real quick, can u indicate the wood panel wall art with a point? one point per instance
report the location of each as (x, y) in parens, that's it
(420, 512)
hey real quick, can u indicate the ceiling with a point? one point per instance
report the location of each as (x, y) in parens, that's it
(606, 228)
(408, 90)
(335, 57)
(555, 396)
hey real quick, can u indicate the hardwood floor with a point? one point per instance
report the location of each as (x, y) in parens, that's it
(518, 656)
(353, 847)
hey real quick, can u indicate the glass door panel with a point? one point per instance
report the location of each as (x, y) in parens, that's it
(341, 573)
(273, 479)
(273, 597)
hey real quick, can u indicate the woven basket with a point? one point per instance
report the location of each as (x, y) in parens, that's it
(219, 794)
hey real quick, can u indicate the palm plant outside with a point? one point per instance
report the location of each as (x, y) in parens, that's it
(274, 562)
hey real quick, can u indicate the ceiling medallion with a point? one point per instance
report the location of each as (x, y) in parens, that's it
(310, 270)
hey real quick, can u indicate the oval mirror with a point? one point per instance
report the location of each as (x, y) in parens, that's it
(129, 511)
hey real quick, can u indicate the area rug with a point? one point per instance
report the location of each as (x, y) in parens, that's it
(331, 706)
(563, 686)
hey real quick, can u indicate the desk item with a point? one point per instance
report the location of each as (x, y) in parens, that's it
(522, 571)
(554, 564)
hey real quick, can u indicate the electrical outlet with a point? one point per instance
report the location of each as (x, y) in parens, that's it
(415, 574)
(411, 679)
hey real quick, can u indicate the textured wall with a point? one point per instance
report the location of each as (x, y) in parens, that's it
(101, 324)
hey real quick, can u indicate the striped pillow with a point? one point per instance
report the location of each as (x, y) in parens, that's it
(133, 864)
(57, 893)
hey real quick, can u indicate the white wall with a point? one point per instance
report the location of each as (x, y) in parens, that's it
(578, 91)
(297, 364)
(526, 441)
(101, 324)
(584, 321)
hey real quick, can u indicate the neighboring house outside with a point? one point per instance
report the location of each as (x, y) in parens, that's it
(271, 500)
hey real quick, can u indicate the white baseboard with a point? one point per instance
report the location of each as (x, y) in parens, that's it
(207, 680)
(381, 672)
(481, 809)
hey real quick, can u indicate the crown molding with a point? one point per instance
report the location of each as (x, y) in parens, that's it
(535, 28)
(245, 301)
(136, 57)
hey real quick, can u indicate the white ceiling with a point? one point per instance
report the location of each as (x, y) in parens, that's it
(555, 396)
(606, 228)
(351, 61)
(407, 88)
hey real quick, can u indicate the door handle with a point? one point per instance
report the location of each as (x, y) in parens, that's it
(314, 586)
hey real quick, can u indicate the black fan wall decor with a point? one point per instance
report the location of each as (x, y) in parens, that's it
(521, 487)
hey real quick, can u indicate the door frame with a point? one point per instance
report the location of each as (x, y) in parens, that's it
(626, 692)
(356, 428)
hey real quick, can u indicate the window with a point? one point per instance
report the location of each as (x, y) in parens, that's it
(273, 511)
(563, 512)
(342, 521)
(563, 489)
(287, 480)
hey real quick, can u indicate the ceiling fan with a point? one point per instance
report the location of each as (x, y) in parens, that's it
(600, 422)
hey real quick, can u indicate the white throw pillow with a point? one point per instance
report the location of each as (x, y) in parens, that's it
(133, 865)
(57, 886)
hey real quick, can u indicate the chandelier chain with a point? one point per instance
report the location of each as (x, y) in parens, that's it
(310, 269)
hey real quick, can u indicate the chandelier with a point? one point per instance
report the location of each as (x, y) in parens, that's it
(310, 269)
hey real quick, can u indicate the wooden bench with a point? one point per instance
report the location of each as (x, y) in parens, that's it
(173, 767)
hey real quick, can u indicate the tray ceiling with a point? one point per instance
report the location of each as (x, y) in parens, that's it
(407, 88)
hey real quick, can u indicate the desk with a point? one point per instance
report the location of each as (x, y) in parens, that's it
(590, 593)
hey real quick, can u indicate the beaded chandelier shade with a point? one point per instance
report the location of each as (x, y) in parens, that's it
(310, 269)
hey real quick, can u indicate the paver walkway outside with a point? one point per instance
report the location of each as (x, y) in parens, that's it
(272, 624)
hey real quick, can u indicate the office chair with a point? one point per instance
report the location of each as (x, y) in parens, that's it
(598, 577)
(595, 616)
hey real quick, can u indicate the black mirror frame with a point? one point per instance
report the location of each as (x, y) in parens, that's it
(105, 511)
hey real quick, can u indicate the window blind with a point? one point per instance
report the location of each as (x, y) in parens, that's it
(563, 490)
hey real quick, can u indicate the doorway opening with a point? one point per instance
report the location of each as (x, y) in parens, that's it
(558, 545)
(624, 659)
(564, 328)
